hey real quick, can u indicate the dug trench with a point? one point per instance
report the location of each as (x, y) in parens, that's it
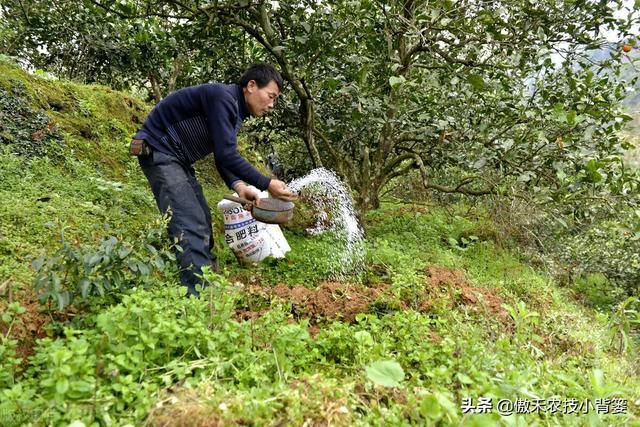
(444, 289)
(27, 327)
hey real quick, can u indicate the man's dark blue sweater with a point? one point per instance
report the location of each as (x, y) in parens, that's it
(195, 121)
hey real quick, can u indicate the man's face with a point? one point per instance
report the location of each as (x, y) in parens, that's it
(260, 100)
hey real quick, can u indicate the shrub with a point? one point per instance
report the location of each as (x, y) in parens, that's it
(113, 267)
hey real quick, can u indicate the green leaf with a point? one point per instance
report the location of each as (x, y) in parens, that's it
(597, 381)
(95, 259)
(331, 83)
(63, 299)
(364, 338)
(396, 82)
(159, 263)
(476, 81)
(361, 77)
(592, 165)
(124, 252)
(526, 176)
(387, 373)
(559, 113)
(143, 268)
(62, 385)
(430, 407)
(83, 285)
(464, 379)
(38, 263)
(541, 33)
(479, 164)
(591, 169)
(588, 77)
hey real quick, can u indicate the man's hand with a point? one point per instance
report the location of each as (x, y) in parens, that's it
(245, 192)
(280, 190)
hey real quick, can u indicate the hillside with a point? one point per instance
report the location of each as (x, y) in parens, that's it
(447, 320)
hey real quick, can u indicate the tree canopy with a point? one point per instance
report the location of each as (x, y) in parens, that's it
(477, 97)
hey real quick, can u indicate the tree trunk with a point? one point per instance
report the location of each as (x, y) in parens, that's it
(157, 94)
(368, 197)
(375, 200)
(308, 126)
(362, 204)
(175, 72)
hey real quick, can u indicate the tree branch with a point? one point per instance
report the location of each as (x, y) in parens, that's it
(458, 189)
(338, 159)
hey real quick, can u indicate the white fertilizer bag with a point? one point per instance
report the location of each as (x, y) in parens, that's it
(251, 240)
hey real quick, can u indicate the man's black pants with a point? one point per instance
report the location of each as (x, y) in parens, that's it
(175, 187)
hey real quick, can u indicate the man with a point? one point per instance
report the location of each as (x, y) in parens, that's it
(186, 126)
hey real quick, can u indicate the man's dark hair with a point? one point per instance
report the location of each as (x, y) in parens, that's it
(262, 74)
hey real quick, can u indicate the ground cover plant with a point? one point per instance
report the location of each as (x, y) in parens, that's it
(446, 312)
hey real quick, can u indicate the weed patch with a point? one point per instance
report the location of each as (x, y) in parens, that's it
(448, 285)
